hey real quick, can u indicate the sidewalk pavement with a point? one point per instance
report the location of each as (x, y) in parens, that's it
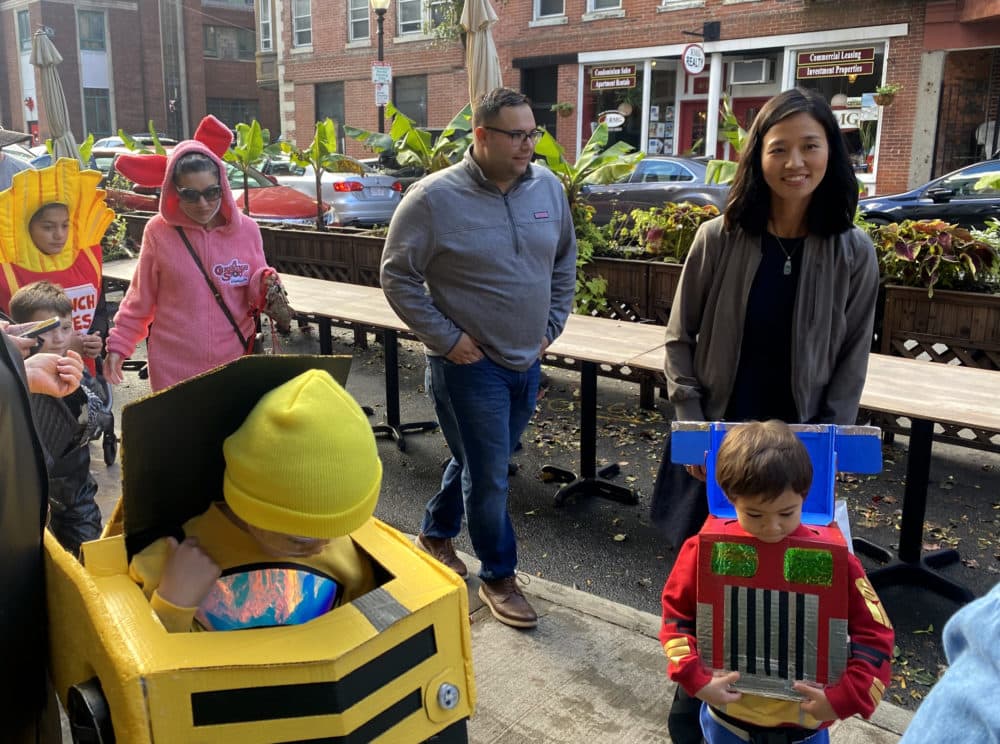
(592, 671)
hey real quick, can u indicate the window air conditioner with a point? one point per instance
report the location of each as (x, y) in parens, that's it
(749, 71)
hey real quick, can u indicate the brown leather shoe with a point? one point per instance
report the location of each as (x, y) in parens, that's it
(441, 549)
(507, 604)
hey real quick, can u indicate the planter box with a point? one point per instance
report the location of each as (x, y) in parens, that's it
(340, 254)
(663, 281)
(628, 286)
(951, 328)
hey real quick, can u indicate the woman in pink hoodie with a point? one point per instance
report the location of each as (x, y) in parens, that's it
(199, 223)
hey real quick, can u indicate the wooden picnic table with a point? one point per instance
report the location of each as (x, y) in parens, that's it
(924, 392)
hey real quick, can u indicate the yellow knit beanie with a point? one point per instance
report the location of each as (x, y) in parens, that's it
(304, 462)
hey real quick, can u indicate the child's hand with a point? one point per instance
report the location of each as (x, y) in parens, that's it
(818, 706)
(717, 692)
(188, 574)
(92, 345)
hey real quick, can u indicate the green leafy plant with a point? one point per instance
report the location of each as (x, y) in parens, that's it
(135, 146)
(321, 155)
(248, 150)
(724, 171)
(84, 148)
(668, 231)
(446, 20)
(889, 89)
(415, 146)
(563, 108)
(935, 254)
(116, 242)
(597, 164)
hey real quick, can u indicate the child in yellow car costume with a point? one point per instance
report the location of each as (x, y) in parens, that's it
(302, 472)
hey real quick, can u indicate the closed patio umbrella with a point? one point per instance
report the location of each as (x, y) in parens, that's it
(481, 58)
(46, 58)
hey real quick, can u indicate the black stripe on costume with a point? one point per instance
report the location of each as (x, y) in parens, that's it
(376, 726)
(868, 654)
(244, 705)
(800, 635)
(783, 635)
(735, 620)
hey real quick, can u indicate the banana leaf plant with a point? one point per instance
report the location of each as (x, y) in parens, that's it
(415, 146)
(597, 164)
(322, 155)
(135, 146)
(724, 171)
(249, 149)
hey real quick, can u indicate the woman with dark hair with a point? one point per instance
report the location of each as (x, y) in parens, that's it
(202, 275)
(774, 311)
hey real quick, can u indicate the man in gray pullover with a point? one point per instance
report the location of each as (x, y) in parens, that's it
(480, 262)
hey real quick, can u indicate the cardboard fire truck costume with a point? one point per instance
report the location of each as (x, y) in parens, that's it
(77, 267)
(778, 613)
(393, 665)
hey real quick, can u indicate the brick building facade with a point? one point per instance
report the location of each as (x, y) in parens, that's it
(603, 56)
(126, 62)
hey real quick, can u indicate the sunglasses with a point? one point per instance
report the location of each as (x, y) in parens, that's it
(211, 194)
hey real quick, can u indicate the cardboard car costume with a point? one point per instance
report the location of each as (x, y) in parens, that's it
(800, 609)
(392, 665)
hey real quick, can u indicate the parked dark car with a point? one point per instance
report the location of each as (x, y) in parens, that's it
(952, 198)
(656, 180)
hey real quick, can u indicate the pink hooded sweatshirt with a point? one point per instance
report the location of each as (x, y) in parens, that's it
(169, 298)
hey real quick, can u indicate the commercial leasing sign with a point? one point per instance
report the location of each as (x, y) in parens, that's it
(826, 63)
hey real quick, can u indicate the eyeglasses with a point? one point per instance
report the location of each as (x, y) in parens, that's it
(211, 194)
(519, 136)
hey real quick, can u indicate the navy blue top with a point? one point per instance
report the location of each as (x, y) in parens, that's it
(763, 386)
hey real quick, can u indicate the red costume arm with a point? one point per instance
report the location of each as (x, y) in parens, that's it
(863, 683)
(677, 634)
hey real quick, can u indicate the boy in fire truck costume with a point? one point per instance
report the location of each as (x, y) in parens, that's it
(765, 472)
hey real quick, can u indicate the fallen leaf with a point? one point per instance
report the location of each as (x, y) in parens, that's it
(620, 537)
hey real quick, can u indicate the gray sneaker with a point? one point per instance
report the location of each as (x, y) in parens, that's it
(441, 549)
(507, 603)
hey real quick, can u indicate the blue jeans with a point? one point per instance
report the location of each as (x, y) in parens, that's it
(483, 409)
(715, 733)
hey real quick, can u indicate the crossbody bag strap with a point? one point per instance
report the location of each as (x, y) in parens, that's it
(211, 286)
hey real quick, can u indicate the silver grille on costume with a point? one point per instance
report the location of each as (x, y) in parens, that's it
(769, 636)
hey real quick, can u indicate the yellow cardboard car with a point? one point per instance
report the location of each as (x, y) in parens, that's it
(392, 666)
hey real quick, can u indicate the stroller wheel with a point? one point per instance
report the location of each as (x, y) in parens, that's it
(110, 446)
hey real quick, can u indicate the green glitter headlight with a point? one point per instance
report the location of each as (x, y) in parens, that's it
(734, 559)
(809, 566)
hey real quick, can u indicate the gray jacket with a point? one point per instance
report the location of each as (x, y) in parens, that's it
(462, 256)
(831, 327)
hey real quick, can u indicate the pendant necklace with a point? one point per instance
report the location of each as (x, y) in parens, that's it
(787, 271)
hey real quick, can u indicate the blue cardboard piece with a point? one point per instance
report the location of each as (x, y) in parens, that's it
(852, 449)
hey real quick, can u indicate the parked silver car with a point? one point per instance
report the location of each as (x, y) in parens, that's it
(655, 181)
(356, 194)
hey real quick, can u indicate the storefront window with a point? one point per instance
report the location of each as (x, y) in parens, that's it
(613, 95)
(847, 78)
(662, 112)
